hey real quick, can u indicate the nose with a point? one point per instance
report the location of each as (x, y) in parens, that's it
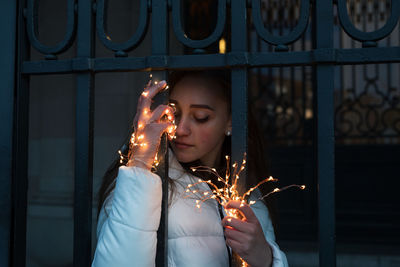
(183, 127)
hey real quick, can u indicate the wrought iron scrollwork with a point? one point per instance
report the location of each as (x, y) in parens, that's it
(32, 30)
(367, 97)
(371, 113)
(184, 39)
(362, 36)
(134, 41)
(281, 41)
(368, 104)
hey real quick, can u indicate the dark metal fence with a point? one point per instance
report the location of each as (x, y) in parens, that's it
(87, 18)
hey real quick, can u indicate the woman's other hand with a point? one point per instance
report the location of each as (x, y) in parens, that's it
(149, 127)
(246, 237)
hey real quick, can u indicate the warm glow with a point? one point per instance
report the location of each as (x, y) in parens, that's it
(222, 46)
(229, 191)
(137, 138)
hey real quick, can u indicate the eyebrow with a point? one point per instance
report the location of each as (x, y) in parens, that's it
(194, 105)
(201, 106)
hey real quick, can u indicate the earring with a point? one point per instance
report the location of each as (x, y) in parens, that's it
(228, 133)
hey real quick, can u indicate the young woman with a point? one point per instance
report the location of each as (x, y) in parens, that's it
(130, 196)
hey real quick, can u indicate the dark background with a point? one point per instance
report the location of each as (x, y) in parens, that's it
(367, 134)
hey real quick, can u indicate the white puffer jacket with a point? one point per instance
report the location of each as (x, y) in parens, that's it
(127, 231)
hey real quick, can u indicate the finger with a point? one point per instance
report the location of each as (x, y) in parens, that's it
(154, 88)
(145, 100)
(244, 208)
(163, 127)
(162, 110)
(234, 245)
(149, 82)
(143, 110)
(236, 224)
(235, 235)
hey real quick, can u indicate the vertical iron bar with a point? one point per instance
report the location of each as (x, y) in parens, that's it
(160, 48)
(323, 37)
(8, 16)
(304, 91)
(239, 84)
(20, 148)
(239, 90)
(84, 140)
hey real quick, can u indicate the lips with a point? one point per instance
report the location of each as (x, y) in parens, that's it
(182, 145)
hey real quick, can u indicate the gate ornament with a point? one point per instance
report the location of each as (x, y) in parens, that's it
(32, 30)
(184, 39)
(368, 38)
(281, 41)
(134, 41)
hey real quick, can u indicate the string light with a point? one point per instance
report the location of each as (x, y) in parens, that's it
(138, 138)
(229, 191)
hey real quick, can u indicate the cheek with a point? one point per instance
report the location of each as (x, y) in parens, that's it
(206, 135)
(209, 136)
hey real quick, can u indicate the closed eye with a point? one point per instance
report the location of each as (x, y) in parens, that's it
(202, 120)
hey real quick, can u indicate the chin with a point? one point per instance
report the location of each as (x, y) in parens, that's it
(181, 156)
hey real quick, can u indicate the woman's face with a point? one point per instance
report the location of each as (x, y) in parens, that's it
(202, 119)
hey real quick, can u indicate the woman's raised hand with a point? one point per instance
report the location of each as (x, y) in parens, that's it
(149, 127)
(246, 237)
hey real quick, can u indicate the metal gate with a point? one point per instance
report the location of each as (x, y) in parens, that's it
(87, 18)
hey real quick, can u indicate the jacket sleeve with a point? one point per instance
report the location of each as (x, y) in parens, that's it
(262, 214)
(128, 222)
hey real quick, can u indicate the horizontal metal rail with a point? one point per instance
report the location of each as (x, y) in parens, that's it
(303, 58)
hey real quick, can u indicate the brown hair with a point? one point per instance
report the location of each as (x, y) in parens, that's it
(257, 163)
